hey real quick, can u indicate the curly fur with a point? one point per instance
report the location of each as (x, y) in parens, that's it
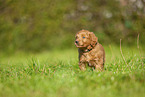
(90, 51)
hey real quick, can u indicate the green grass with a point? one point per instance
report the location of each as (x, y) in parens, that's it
(56, 74)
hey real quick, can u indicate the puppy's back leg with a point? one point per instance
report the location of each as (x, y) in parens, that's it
(100, 65)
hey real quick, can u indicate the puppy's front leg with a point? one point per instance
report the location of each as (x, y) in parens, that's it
(82, 66)
(92, 64)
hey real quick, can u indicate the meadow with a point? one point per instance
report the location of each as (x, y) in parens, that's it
(38, 57)
(56, 74)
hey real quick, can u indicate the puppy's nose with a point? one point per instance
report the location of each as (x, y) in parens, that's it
(76, 41)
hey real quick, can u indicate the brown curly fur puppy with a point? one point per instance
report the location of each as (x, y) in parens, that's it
(90, 51)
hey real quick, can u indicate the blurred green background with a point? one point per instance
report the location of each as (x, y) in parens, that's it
(38, 25)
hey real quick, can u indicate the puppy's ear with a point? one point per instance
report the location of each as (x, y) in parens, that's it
(94, 39)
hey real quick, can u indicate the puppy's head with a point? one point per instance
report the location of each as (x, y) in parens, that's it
(85, 39)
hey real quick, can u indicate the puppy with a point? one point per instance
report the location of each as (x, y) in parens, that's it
(90, 51)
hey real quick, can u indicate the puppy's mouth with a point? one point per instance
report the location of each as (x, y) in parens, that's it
(79, 46)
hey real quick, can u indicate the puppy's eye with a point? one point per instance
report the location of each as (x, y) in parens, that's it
(83, 37)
